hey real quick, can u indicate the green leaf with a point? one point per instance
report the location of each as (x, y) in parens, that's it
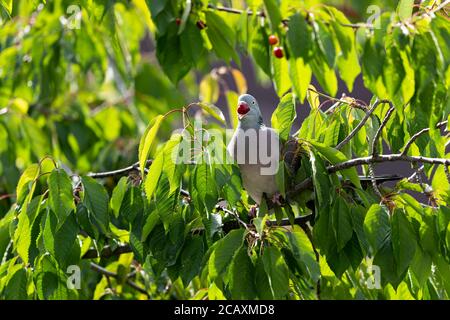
(224, 252)
(209, 89)
(169, 51)
(191, 259)
(321, 181)
(284, 115)
(192, 44)
(23, 234)
(60, 195)
(342, 224)
(405, 8)
(277, 272)
(232, 101)
(324, 38)
(16, 288)
(280, 70)
(173, 164)
(299, 37)
(51, 281)
(222, 37)
(273, 9)
(214, 111)
(262, 281)
(23, 186)
(62, 243)
(8, 5)
(303, 252)
(242, 280)
(347, 60)
(335, 156)
(147, 141)
(325, 75)
(118, 194)
(376, 226)
(260, 49)
(153, 175)
(300, 74)
(403, 240)
(96, 201)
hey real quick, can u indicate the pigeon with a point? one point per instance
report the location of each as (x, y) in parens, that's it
(256, 149)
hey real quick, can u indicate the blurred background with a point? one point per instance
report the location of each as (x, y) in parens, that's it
(80, 81)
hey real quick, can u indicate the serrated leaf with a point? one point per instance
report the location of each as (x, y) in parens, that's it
(403, 240)
(224, 252)
(60, 195)
(300, 74)
(284, 115)
(280, 70)
(96, 201)
(27, 177)
(303, 253)
(242, 280)
(342, 223)
(277, 271)
(118, 194)
(222, 37)
(376, 226)
(212, 110)
(273, 9)
(153, 175)
(147, 141)
(335, 156)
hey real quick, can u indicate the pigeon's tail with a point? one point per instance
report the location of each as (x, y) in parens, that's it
(382, 178)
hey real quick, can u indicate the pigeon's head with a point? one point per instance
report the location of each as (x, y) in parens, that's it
(248, 109)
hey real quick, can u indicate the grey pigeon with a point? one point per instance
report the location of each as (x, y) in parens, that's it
(256, 149)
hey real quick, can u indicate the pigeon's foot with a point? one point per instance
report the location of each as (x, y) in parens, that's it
(277, 199)
(253, 211)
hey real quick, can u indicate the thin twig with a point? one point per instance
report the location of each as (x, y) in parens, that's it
(374, 151)
(418, 134)
(118, 172)
(308, 183)
(386, 158)
(416, 174)
(360, 124)
(447, 173)
(108, 273)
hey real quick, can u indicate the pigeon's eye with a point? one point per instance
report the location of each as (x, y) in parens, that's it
(253, 102)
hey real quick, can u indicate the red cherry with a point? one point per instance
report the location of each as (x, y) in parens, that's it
(243, 108)
(178, 21)
(278, 52)
(273, 40)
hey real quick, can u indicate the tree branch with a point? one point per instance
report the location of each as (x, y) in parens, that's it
(374, 151)
(386, 158)
(108, 274)
(418, 134)
(118, 172)
(360, 124)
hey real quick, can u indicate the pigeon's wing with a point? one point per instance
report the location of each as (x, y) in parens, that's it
(291, 155)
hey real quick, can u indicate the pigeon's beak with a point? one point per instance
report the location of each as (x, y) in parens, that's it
(242, 109)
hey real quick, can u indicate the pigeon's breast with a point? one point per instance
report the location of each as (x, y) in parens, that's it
(257, 152)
